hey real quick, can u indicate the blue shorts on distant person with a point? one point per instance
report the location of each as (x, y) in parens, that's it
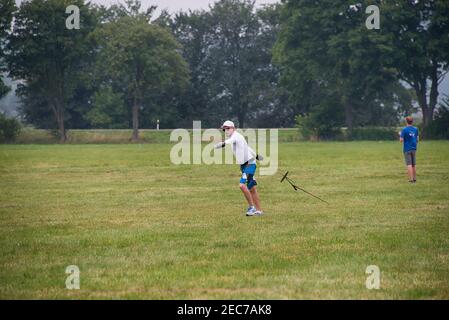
(248, 172)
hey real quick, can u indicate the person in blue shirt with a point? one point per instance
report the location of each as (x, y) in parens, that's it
(409, 137)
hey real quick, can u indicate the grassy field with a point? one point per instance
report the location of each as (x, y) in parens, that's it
(114, 136)
(139, 227)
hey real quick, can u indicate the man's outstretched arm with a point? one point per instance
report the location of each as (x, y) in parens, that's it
(224, 143)
(220, 145)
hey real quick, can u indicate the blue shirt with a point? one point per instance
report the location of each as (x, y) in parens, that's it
(410, 136)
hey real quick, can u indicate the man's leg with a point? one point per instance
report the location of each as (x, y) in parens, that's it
(409, 162)
(410, 172)
(255, 197)
(247, 194)
(414, 166)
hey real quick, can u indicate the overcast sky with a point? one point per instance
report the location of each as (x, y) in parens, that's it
(174, 5)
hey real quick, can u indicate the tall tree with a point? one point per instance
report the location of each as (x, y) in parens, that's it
(273, 108)
(419, 32)
(192, 30)
(7, 7)
(237, 62)
(228, 49)
(141, 60)
(47, 56)
(327, 53)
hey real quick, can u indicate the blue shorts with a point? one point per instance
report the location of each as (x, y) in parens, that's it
(248, 172)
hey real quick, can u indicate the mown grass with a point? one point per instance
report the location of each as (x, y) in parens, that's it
(139, 227)
(117, 136)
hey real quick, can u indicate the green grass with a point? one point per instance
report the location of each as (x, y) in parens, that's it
(139, 227)
(117, 136)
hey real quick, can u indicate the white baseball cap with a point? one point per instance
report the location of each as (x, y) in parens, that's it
(228, 123)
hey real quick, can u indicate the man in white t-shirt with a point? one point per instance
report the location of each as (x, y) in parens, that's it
(246, 158)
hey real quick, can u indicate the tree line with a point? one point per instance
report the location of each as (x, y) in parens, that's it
(314, 64)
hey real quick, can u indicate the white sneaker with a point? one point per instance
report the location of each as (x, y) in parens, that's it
(258, 212)
(251, 211)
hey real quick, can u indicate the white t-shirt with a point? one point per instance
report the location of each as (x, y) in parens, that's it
(242, 151)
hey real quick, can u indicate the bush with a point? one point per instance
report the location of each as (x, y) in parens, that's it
(372, 133)
(322, 123)
(326, 132)
(9, 128)
(439, 128)
(303, 126)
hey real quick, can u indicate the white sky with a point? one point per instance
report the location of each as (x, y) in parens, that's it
(176, 5)
(173, 5)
